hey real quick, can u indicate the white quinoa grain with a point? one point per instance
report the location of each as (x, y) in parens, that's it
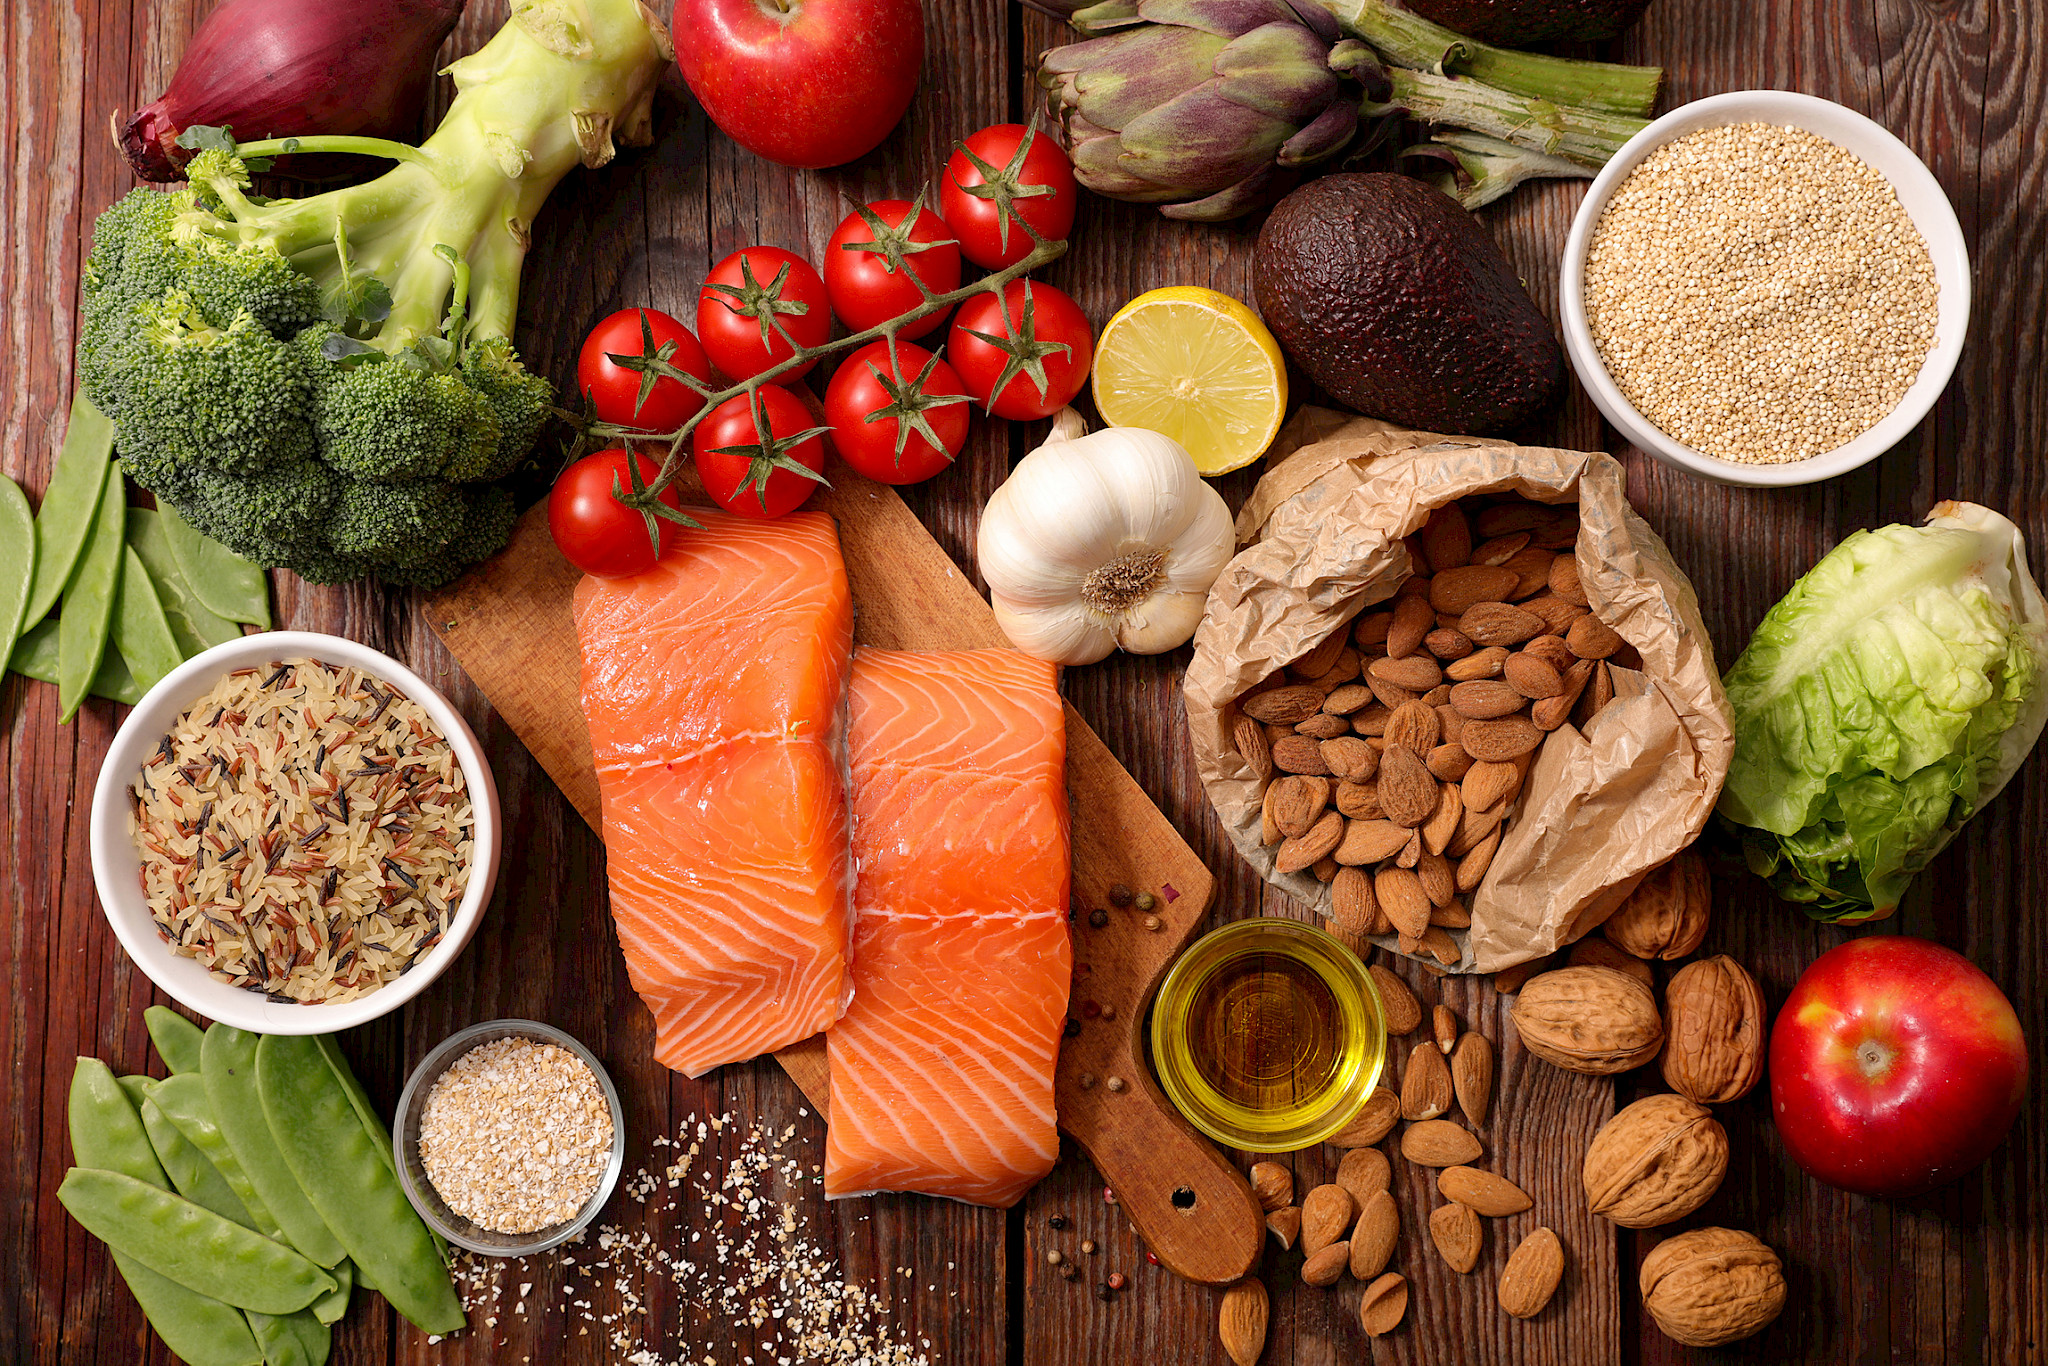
(1759, 294)
(515, 1135)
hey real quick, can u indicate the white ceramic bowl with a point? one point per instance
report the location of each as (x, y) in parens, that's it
(116, 865)
(1919, 194)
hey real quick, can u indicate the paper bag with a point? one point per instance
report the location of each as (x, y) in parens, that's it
(1321, 541)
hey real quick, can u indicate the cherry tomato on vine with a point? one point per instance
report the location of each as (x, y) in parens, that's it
(594, 530)
(754, 474)
(1024, 355)
(631, 396)
(867, 287)
(749, 300)
(1006, 169)
(916, 433)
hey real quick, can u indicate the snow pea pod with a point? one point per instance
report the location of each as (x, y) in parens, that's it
(107, 1133)
(227, 584)
(71, 503)
(35, 656)
(229, 1071)
(195, 627)
(182, 1099)
(176, 1038)
(140, 629)
(191, 1244)
(330, 1308)
(89, 603)
(292, 1339)
(192, 1176)
(17, 563)
(336, 1160)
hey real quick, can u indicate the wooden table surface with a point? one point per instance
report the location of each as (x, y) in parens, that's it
(1960, 1276)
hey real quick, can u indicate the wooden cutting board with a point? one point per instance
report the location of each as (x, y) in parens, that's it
(509, 623)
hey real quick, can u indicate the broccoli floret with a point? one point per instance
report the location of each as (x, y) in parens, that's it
(328, 384)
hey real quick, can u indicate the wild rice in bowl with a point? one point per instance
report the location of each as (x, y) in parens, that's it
(305, 832)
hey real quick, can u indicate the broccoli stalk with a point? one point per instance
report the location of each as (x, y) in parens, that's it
(328, 384)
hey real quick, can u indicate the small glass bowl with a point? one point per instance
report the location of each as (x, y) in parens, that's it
(405, 1142)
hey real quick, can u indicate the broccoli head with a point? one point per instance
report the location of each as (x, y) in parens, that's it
(328, 384)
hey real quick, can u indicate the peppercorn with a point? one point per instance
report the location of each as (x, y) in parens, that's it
(1152, 922)
(1104, 1293)
(1087, 1081)
(1054, 1257)
(1070, 1272)
(1117, 1281)
(1073, 1028)
(1056, 1222)
(1088, 1246)
(1098, 917)
(1121, 895)
(1145, 901)
(1089, 1009)
(1109, 1012)
(1115, 1084)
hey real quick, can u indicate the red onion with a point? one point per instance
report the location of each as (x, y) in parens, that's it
(280, 68)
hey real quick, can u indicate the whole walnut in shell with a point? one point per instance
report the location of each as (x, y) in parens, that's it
(1655, 1162)
(1588, 1019)
(1712, 1285)
(1666, 915)
(1714, 1031)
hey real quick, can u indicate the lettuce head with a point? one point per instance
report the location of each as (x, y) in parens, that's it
(1881, 704)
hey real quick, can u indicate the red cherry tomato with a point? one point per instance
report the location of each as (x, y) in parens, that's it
(866, 289)
(752, 474)
(593, 529)
(1042, 360)
(866, 383)
(753, 284)
(614, 390)
(988, 173)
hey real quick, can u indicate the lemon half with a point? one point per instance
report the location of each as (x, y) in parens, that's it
(1197, 366)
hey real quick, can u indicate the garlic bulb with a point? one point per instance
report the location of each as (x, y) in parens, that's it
(1103, 540)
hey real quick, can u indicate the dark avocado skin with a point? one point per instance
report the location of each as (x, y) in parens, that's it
(1398, 303)
(1518, 23)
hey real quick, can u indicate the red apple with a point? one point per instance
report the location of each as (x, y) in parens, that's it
(802, 82)
(1896, 1066)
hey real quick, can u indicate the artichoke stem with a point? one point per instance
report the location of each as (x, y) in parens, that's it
(1409, 40)
(1586, 136)
(1488, 168)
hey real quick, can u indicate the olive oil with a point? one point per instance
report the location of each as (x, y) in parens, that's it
(1267, 1035)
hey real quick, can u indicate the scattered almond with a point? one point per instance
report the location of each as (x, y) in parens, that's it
(1250, 740)
(1347, 700)
(1500, 549)
(1299, 754)
(1438, 1142)
(1487, 784)
(1414, 726)
(1375, 1235)
(1457, 591)
(1444, 822)
(1592, 638)
(1472, 867)
(1497, 741)
(1360, 801)
(1443, 1025)
(1321, 839)
(1384, 1304)
(1353, 908)
(1399, 892)
(1242, 1323)
(1417, 673)
(1453, 915)
(1425, 1086)
(1408, 794)
(1446, 539)
(1438, 944)
(1297, 803)
(1492, 1195)
(1283, 706)
(1350, 758)
(1367, 842)
(1402, 1012)
(1483, 699)
(1433, 871)
(1369, 632)
(1326, 1265)
(1323, 726)
(1413, 619)
(1447, 643)
(1321, 658)
(1472, 1076)
(1564, 580)
(1487, 663)
(1448, 763)
(1373, 1122)
(1497, 623)
(1531, 1275)
(1363, 1171)
(1284, 1225)
(1458, 1235)
(1273, 1184)
(1326, 1215)
(1532, 676)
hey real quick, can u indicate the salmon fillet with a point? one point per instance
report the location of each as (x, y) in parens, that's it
(942, 1066)
(714, 687)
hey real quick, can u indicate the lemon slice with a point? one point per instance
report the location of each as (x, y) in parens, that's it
(1197, 366)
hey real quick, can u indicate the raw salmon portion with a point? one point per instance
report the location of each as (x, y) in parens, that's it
(714, 686)
(942, 1067)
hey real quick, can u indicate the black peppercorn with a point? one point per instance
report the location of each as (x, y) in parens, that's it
(1073, 1028)
(1098, 917)
(1120, 895)
(1104, 1293)
(1056, 1222)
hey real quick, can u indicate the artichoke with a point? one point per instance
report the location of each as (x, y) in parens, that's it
(1208, 107)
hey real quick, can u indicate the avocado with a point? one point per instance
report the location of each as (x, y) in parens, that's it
(1518, 23)
(1399, 304)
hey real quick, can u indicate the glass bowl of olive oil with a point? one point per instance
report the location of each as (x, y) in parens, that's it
(1268, 1035)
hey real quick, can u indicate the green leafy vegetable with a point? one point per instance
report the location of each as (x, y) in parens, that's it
(70, 504)
(225, 583)
(17, 562)
(1882, 703)
(89, 603)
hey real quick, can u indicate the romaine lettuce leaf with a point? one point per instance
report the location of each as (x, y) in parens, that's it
(1882, 703)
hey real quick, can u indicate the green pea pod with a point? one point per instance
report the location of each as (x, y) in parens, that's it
(141, 631)
(330, 1308)
(107, 1133)
(176, 1038)
(229, 1070)
(195, 627)
(137, 1088)
(336, 1159)
(191, 1244)
(292, 1339)
(192, 1176)
(182, 1099)
(373, 1122)
(227, 584)
(35, 656)
(89, 604)
(17, 563)
(71, 504)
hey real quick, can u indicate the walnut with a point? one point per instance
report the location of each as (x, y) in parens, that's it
(1666, 915)
(1714, 1031)
(1712, 1285)
(1588, 1019)
(1655, 1162)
